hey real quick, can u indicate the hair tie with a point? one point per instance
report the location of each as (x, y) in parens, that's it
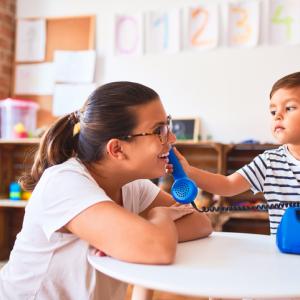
(75, 119)
(76, 128)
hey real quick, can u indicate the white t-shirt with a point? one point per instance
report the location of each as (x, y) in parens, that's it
(46, 264)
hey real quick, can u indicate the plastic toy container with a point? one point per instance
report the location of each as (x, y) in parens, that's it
(18, 118)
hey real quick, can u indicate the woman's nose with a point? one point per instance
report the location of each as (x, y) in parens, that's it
(172, 137)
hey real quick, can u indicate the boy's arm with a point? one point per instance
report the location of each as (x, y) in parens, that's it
(190, 227)
(214, 183)
(219, 184)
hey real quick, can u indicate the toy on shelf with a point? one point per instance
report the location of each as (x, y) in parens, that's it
(25, 195)
(20, 131)
(14, 191)
(18, 118)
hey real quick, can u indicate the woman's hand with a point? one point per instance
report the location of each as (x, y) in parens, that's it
(175, 212)
(182, 160)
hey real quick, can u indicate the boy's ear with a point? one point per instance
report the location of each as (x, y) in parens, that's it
(114, 148)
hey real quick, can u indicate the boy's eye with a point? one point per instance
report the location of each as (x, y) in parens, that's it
(290, 108)
(273, 112)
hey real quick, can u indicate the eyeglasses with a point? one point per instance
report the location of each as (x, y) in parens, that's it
(162, 131)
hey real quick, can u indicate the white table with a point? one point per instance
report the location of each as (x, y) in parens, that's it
(224, 265)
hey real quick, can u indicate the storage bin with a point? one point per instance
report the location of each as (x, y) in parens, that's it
(18, 118)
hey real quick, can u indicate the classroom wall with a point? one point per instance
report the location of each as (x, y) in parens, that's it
(7, 32)
(227, 88)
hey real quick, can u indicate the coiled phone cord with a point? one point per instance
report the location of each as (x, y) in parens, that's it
(260, 207)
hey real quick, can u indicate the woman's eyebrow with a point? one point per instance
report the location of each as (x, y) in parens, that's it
(159, 124)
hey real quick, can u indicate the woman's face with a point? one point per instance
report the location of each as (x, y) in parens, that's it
(147, 154)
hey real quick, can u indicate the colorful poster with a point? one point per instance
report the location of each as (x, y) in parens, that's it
(163, 31)
(243, 23)
(284, 22)
(202, 27)
(129, 34)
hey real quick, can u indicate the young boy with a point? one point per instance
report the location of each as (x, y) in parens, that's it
(276, 172)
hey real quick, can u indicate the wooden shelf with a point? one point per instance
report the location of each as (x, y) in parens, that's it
(20, 141)
(13, 203)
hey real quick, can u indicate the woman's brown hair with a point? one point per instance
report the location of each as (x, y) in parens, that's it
(106, 114)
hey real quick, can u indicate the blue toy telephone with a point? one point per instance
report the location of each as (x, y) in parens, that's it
(288, 231)
(184, 190)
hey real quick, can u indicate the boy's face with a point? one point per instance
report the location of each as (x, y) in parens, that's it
(285, 111)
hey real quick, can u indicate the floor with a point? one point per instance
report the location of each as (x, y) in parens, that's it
(157, 295)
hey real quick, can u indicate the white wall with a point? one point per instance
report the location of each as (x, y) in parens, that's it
(227, 88)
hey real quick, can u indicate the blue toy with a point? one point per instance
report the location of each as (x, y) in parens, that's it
(14, 191)
(184, 190)
(288, 231)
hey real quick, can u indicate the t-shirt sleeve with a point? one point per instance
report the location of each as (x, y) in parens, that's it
(147, 192)
(255, 172)
(65, 195)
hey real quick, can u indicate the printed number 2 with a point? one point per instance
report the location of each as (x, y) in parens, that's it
(196, 37)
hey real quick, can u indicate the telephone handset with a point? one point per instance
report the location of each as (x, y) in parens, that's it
(184, 190)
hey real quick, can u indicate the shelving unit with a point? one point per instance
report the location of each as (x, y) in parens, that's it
(16, 156)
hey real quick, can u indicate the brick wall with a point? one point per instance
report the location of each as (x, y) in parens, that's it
(7, 35)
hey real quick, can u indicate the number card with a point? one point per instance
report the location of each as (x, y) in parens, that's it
(243, 23)
(129, 34)
(202, 30)
(163, 31)
(284, 22)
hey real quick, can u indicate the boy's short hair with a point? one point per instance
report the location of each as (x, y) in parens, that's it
(287, 82)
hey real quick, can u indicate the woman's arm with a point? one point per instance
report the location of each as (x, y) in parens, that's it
(126, 236)
(192, 226)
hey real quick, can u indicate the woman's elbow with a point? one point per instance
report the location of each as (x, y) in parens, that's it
(207, 229)
(163, 251)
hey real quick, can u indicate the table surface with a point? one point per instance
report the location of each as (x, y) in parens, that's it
(227, 265)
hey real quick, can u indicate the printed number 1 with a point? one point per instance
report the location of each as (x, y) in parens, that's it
(164, 20)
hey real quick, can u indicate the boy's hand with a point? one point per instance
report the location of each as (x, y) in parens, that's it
(184, 163)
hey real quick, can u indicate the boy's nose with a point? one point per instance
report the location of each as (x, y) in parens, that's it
(278, 116)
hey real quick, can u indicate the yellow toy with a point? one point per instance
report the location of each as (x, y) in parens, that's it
(20, 131)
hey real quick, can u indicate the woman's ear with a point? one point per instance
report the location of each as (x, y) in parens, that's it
(114, 149)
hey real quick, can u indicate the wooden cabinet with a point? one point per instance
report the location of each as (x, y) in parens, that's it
(16, 156)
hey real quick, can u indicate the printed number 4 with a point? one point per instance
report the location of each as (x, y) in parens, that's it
(279, 20)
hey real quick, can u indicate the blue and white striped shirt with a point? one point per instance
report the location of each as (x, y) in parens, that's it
(276, 173)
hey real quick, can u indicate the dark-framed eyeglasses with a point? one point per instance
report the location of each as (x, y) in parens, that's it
(162, 131)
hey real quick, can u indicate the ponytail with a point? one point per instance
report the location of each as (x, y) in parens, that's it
(57, 145)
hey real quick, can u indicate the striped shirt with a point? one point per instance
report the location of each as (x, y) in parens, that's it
(276, 173)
